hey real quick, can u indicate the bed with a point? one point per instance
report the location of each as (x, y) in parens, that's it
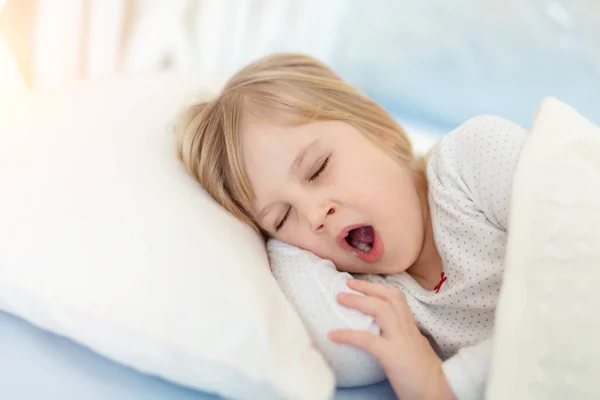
(546, 320)
(36, 364)
(40, 360)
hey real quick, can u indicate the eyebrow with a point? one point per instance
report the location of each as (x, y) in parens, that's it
(294, 166)
(302, 155)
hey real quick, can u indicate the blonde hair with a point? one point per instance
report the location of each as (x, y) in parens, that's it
(295, 88)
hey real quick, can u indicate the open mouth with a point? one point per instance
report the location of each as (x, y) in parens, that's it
(363, 241)
(361, 238)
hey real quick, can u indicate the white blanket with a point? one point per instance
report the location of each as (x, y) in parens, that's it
(548, 322)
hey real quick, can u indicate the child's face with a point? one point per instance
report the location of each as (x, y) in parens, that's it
(315, 182)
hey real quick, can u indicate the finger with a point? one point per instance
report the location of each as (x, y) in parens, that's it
(365, 341)
(395, 297)
(383, 312)
(385, 292)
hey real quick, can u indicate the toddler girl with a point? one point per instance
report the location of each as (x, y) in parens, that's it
(295, 152)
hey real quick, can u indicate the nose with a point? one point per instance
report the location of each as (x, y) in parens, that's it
(319, 217)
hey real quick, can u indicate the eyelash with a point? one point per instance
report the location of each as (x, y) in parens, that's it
(285, 217)
(319, 171)
(312, 178)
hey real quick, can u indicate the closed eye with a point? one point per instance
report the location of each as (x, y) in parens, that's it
(285, 217)
(319, 171)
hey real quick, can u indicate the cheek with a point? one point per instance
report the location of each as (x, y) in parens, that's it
(374, 176)
(413, 228)
(400, 211)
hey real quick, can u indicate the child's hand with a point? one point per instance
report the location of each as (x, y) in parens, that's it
(411, 365)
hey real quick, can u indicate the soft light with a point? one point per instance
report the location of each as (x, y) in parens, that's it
(10, 77)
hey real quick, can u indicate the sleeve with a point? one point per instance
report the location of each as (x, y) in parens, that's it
(468, 369)
(470, 171)
(311, 285)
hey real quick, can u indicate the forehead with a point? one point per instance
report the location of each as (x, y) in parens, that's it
(277, 140)
(269, 149)
(270, 146)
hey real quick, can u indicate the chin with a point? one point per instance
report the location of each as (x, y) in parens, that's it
(389, 267)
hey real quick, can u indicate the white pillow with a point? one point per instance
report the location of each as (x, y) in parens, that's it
(106, 240)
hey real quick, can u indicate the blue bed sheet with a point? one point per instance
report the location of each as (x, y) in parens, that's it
(37, 365)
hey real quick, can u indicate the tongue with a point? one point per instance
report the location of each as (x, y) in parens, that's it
(364, 235)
